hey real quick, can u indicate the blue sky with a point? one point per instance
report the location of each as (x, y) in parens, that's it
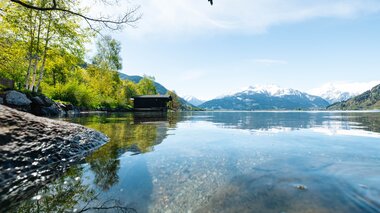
(205, 51)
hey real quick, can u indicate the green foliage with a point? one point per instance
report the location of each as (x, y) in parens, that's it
(131, 90)
(72, 92)
(107, 56)
(174, 104)
(11, 50)
(43, 51)
(146, 86)
(32, 35)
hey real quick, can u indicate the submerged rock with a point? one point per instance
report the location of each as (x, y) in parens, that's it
(35, 149)
(300, 187)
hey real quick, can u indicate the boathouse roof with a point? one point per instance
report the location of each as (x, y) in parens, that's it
(153, 96)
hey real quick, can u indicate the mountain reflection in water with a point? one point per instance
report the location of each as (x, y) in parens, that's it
(223, 162)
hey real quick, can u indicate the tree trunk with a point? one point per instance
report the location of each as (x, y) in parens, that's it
(31, 86)
(28, 73)
(42, 69)
(32, 30)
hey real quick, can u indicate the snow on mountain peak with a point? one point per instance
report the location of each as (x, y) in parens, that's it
(271, 90)
(336, 92)
(193, 100)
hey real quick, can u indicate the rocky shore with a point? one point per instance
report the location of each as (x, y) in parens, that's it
(36, 104)
(33, 150)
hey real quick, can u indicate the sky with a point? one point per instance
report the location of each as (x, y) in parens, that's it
(206, 51)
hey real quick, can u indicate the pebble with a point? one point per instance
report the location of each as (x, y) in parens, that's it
(301, 187)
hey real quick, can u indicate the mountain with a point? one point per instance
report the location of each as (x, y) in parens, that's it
(160, 90)
(367, 100)
(337, 92)
(266, 98)
(193, 100)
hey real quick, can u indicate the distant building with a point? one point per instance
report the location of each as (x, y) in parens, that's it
(151, 102)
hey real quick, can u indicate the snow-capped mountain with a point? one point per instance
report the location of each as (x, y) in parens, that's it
(268, 97)
(370, 99)
(271, 90)
(336, 92)
(193, 100)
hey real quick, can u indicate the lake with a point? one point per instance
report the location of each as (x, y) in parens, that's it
(223, 162)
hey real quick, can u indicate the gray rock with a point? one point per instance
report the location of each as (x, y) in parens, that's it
(52, 110)
(34, 145)
(47, 101)
(38, 101)
(1, 100)
(61, 106)
(16, 98)
(43, 106)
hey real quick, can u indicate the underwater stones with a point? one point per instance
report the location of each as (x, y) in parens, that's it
(301, 187)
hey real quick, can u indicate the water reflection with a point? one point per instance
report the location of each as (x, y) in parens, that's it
(288, 121)
(62, 195)
(130, 133)
(69, 194)
(211, 162)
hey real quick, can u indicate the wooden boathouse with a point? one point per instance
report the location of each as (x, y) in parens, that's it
(151, 102)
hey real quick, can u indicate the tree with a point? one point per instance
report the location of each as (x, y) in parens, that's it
(129, 17)
(43, 49)
(174, 104)
(146, 86)
(39, 31)
(131, 90)
(108, 54)
(12, 52)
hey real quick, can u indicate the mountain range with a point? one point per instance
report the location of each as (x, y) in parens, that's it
(337, 92)
(193, 100)
(367, 100)
(272, 97)
(269, 97)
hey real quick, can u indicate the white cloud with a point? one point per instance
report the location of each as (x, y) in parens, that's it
(184, 17)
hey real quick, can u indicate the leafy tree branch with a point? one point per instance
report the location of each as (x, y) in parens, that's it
(130, 17)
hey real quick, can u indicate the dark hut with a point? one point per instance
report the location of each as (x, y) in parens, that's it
(151, 102)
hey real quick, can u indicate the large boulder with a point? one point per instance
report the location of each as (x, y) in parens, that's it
(37, 100)
(44, 106)
(15, 98)
(51, 111)
(33, 150)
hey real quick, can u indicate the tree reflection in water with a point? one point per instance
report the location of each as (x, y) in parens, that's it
(128, 133)
(68, 193)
